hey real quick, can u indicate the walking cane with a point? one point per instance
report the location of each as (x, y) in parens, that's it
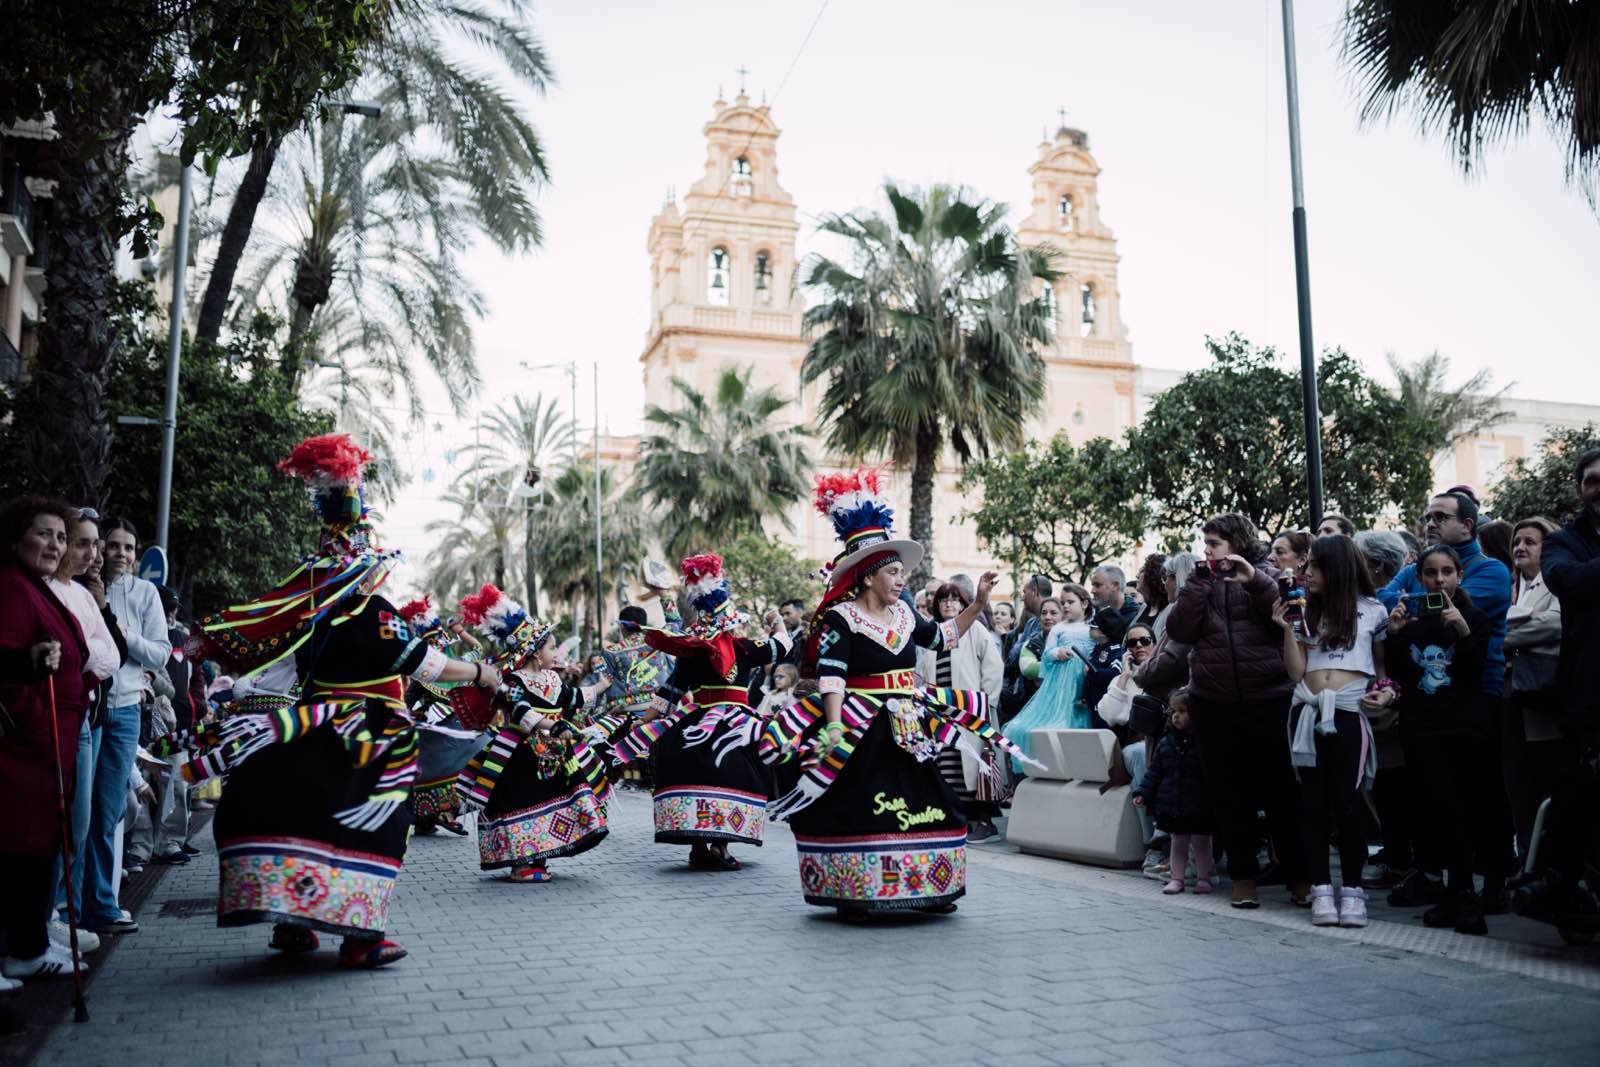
(80, 1007)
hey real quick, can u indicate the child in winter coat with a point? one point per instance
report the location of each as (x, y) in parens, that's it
(1174, 786)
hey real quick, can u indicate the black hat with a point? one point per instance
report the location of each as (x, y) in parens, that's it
(1110, 622)
(632, 615)
(169, 597)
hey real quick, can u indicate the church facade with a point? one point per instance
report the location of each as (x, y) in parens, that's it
(723, 294)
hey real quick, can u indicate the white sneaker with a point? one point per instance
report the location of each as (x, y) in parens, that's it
(1324, 912)
(53, 962)
(9, 985)
(88, 940)
(1352, 906)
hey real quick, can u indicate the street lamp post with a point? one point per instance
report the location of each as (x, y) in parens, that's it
(570, 369)
(169, 417)
(1308, 356)
(599, 590)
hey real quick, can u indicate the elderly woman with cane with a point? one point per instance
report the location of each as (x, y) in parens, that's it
(44, 697)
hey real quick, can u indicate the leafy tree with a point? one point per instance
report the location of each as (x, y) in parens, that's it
(1231, 437)
(1542, 484)
(1446, 413)
(930, 335)
(1478, 70)
(230, 71)
(238, 526)
(1059, 510)
(566, 560)
(438, 94)
(717, 466)
(764, 572)
(476, 545)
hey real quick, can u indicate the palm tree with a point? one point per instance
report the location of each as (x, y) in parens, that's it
(475, 546)
(1479, 69)
(718, 466)
(434, 91)
(930, 335)
(371, 228)
(566, 564)
(1444, 413)
(525, 443)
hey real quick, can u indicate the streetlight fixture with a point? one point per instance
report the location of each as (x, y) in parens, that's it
(369, 109)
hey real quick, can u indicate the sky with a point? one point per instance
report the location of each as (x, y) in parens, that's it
(1185, 110)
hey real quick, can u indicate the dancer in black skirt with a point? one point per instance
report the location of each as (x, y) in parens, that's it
(444, 744)
(711, 788)
(539, 783)
(876, 827)
(311, 829)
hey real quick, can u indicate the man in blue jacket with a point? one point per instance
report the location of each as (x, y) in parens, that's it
(1452, 519)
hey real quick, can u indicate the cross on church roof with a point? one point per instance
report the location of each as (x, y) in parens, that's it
(742, 73)
(1061, 116)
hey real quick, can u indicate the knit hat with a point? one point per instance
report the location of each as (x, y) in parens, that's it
(504, 622)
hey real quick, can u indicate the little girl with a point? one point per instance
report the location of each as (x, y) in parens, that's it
(1061, 666)
(1336, 655)
(1174, 785)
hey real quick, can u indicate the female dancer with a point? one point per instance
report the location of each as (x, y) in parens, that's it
(711, 788)
(311, 830)
(444, 745)
(876, 827)
(541, 787)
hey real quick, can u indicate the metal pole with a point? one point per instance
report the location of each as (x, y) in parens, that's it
(169, 419)
(1302, 273)
(599, 591)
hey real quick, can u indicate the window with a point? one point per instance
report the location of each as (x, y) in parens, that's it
(717, 276)
(1048, 297)
(1064, 213)
(742, 184)
(1088, 309)
(1491, 455)
(763, 279)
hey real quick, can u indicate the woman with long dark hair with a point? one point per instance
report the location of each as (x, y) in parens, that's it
(1334, 654)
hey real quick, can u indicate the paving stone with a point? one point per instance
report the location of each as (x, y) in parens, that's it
(631, 958)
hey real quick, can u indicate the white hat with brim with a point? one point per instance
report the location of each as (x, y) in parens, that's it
(910, 553)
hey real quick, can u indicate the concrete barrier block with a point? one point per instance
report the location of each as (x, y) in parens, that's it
(1075, 821)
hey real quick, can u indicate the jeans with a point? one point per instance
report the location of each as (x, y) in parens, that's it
(81, 807)
(118, 744)
(1136, 758)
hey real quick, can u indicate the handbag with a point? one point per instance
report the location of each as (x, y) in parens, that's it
(1533, 671)
(1147, 715)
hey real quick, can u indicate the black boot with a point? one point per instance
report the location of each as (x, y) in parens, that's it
(1470, 920)
(1444, 914)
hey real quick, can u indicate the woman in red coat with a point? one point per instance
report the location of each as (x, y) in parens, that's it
(34, 622)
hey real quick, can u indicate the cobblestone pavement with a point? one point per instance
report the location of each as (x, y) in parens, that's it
(631, 958)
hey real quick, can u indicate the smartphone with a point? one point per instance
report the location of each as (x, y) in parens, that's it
(1221, 568)
(1422, 605)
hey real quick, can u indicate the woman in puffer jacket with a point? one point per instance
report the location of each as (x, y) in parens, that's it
(1239, 701)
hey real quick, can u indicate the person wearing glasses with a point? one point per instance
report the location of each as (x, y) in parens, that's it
(1451, 519)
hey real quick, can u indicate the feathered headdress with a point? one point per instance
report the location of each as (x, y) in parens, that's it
(862, 521)
(424, 620)
(347, 561)
(712, 632)
(504, 622)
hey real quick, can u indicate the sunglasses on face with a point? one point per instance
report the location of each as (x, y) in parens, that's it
(1140, 642)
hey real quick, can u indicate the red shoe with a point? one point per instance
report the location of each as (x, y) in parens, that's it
(369, 955)
(531, 874)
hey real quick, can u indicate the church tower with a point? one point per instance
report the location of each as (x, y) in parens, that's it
(722, 268)
(1090, 391)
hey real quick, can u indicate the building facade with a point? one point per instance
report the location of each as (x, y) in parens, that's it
(723, 294)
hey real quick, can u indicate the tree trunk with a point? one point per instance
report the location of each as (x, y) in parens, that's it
(69, 444)
(313, 284)
(923, 468)
(235, 236)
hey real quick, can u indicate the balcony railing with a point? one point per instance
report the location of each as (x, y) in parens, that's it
(16, 205)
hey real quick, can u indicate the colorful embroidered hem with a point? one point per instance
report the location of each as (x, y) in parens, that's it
(883, 873)
(430, 800)
(564, 826)
(304, 882)
(686, 814)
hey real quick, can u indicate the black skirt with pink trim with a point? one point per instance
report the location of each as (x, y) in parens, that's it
(709, 783)
(530, 819)
(887, 835)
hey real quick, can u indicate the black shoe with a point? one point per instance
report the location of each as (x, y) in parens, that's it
(1470, 921)
(1416, 890)
(1496, 901)
(178, 857)
(1446, 913)
(981, 831)
(188, 850)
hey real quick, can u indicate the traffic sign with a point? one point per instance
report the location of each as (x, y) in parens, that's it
(153, 565)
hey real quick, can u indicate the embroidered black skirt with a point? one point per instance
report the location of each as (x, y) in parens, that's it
(709, 783)
(530, 819)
